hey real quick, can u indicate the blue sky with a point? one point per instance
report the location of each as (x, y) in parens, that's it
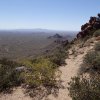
(47, 14)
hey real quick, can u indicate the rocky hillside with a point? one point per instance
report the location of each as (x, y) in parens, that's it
(91, 26)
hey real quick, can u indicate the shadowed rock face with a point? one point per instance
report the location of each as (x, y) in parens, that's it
(94, 23)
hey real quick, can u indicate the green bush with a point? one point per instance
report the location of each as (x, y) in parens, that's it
(97, 33)
(91, 62)
(89, 58)
(8, 76)
(42, 73)
(58, 59)
(85, 89)
(59, 56)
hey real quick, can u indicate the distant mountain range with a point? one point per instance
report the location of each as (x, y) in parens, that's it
(39, 30)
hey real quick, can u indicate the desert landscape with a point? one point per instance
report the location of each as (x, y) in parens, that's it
(49, 50)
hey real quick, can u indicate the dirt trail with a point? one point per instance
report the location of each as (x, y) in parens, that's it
(70, 70)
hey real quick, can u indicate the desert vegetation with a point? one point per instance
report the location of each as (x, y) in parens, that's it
(8, 75)
(42, 73)
(37, 74)
(82, 88)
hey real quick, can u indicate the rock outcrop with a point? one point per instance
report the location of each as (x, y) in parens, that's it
(93, 24)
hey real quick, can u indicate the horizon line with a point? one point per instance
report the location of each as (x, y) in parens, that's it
(36, 29)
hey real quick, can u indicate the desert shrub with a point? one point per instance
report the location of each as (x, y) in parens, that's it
(89, 58)
(8, 76)
(42, 73)
(97, 33)
(58, 59)
(59, 56)
(97, 47)
(91, 62)
(84, 89)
